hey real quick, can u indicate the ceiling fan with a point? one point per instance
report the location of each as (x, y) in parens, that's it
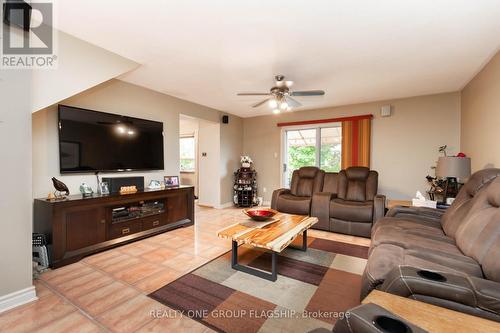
(280, 96)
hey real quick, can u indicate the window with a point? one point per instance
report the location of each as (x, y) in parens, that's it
(312, 146)
(188, 154)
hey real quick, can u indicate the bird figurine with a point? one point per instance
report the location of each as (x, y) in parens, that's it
(60, 187)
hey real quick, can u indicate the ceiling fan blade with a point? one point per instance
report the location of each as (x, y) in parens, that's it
(260, 103)
(253, 94)
(292, 102)
(308, 93)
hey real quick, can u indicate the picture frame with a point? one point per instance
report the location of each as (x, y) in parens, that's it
(171, 181)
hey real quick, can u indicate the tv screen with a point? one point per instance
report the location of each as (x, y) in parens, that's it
(91, 141)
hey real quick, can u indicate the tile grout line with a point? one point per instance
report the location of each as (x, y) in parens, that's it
(78, 309)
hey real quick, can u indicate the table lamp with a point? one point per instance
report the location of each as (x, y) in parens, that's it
(456, 170)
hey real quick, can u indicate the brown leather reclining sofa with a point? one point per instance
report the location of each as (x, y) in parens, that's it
(297, 200)
(345, 202)
(450, 259)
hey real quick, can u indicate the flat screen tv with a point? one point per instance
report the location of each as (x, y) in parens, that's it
(92, 141)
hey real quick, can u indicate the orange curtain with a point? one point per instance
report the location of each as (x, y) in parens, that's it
(356, 134)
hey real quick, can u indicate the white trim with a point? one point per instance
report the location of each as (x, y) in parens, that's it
(17, 298)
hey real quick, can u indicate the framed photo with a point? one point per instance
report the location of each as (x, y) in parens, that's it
(171, 181)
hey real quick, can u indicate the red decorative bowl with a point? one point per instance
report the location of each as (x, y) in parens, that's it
(260, 214)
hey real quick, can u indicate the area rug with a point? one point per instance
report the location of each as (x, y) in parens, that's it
(313, 289)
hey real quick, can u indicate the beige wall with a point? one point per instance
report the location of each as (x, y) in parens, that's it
(230, 152)
(80, 66)
(15, 197)
(404, 146)
(480, 132)
(122, 98)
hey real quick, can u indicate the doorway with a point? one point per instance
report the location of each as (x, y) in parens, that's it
(319, 146)
(199, 157)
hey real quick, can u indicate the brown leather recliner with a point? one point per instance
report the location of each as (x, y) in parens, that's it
(297, 200)
(349, 203)
(449, 259)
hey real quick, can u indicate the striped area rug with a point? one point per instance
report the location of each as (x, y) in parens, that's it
(313, 289)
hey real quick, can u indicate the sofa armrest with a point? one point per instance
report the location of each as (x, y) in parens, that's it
(372, 318)
(462, 293)
(320, 208)
(425, 212)
(276, 194)
(378, 207)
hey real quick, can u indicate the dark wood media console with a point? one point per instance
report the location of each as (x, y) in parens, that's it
(78, 226)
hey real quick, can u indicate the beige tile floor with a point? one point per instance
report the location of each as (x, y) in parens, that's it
(107, 292)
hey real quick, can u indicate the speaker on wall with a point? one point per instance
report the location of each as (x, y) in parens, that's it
(225, 119)
(115, 183)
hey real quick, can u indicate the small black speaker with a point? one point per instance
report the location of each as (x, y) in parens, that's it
(225, 119)
(17, 13)
(115, 183)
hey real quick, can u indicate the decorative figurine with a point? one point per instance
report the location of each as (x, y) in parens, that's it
(86, 190)
(154, 185)
(60, 187)
(246, 162)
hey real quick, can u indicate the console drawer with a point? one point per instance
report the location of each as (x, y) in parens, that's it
(153, 221)
(124, 229)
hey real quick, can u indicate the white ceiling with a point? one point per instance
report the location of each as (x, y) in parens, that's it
(357, 51)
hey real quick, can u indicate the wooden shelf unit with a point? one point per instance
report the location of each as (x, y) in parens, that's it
(78, 226)
(245, 187)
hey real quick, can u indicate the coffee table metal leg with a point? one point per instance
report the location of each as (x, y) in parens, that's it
(273, 276)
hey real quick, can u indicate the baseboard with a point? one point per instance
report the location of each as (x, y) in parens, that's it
(17, 298)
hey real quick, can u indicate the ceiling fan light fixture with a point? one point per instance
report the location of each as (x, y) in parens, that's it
(276, 111)
(273, 103)
(284, 105)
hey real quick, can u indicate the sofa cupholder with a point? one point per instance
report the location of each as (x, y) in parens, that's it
(428, 275)
(391, 325)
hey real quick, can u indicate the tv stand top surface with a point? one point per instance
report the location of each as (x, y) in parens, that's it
(96, 196)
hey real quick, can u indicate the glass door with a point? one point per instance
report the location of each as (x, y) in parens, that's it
(313, 146)
(300, 150)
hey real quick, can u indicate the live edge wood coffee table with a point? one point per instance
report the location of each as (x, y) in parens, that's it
(273, 237)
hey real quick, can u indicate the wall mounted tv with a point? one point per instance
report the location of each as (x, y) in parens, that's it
(91, 141)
